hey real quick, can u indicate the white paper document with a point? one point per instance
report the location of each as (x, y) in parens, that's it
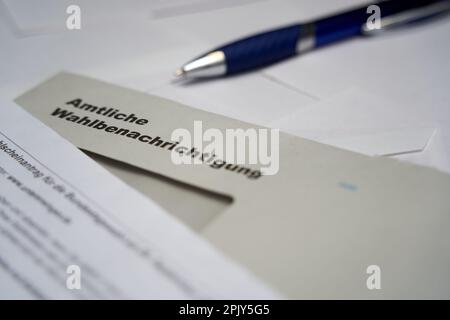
(66, 223)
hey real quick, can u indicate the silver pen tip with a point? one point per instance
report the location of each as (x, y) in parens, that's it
(179, 73)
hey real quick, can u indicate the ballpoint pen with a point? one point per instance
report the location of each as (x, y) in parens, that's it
(271, 46)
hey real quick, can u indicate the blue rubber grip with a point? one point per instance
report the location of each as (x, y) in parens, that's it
(261, 49)
(339, 27)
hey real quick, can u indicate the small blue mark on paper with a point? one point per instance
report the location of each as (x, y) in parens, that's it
(347, 186)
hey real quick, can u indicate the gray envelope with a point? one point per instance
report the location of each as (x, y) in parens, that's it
(312, 230)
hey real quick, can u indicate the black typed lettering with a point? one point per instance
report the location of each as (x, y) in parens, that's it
(61, 113)
(76, 102)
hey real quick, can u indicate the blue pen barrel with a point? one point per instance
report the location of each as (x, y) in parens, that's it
(261, 49)
(339, 27)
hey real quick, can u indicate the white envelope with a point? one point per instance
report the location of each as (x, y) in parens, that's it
(358, 121)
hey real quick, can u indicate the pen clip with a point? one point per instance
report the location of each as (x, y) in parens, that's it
(404, 18)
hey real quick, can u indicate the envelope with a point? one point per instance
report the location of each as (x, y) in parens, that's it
(361, 122)
(310, 230)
